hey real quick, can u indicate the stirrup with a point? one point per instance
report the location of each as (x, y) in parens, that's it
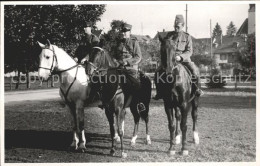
(199, 92)
(141, 107)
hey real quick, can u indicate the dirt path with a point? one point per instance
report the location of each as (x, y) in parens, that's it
(29, 95)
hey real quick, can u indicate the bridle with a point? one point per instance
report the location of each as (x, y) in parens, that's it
(52, 69)
(96, 68)
(54, 58)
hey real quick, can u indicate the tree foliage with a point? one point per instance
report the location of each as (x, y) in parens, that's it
(26, 24)
(231, 29)
(217, 31)
(247, 54)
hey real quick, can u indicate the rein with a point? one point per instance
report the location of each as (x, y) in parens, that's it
(59, 72)
(52, 65)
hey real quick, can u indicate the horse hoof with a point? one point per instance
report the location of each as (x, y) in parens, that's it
(124, 155)
(178, 139)
(73, 148)
(148, 142)
(171, 152)
(117, 139)
(196, 138)
(83, 150)
(132, 144)
(112, 152)
(196, 141)
(185, 152)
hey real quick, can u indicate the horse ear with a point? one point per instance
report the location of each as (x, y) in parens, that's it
(48, 43)
(41, 45)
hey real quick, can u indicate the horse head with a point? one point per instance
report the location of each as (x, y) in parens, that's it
(48, 60)
(99, 59)
(168, 54)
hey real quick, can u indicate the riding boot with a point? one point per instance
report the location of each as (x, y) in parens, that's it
(195, 76)
(197, 84)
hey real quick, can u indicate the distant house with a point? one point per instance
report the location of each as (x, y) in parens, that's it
(248, 26)
(143, 38)
(226, 48)
(226, 52)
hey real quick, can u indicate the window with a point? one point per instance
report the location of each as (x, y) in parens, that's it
(223, 57)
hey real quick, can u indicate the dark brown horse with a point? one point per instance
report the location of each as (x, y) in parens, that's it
(178, 95)
(117, 94)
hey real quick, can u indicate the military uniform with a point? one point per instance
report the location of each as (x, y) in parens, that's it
(183, 45)
(87, 42)
(127, 53)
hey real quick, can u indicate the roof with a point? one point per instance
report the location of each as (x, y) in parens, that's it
(243, 28)
(142, 38)
(164, 34)
(227, 45)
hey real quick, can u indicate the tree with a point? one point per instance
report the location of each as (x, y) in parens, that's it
(231, 29)
(247, 56)
(113, 33)
(217, 31)
(26, 24)
(201, 59)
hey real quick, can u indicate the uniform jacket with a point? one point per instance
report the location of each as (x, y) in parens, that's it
(130, 52)
(183, 44)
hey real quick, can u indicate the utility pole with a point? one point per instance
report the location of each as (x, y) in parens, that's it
(186, 18)
(142, 28)
(210, 41)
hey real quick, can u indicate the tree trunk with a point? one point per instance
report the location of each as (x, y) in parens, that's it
(52, 82)
(18, 81)
(28, 80)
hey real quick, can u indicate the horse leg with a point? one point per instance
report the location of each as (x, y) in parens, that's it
(194, 114)
(148, 138)
(184, 114)
(116, 137)
(178, 121)
(121, 123)
(136, 120)
(110, 116)
(171, 125)
(75, 141)
(80, 128)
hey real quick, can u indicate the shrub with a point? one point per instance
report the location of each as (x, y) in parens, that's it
(215, 80)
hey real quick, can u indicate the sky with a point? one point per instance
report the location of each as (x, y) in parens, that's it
(156, 17)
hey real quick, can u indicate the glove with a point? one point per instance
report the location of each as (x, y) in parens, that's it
(76, 59)
(178, 58)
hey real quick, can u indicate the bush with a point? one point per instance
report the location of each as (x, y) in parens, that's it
(215, 80)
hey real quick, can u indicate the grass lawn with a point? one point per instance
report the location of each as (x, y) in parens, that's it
(40, 131)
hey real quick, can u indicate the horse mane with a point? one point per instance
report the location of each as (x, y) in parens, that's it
(60, 51)
(105, 60)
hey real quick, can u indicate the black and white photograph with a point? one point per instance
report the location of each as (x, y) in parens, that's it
(128, 82)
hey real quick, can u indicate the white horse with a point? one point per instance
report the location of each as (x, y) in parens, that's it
(74, 86)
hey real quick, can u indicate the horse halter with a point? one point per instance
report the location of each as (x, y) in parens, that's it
(54, 58)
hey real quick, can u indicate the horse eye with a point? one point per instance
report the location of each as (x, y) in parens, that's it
(47, 57)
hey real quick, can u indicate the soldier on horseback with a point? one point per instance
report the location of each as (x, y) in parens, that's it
(183, 44)
(88, 41)
(127, 54)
